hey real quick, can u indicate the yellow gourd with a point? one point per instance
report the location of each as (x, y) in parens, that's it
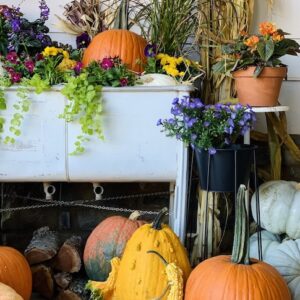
(141, 276)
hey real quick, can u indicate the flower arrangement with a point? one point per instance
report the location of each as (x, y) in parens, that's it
(180, 68)
(207, 126)
(259, 50)
(32, 60)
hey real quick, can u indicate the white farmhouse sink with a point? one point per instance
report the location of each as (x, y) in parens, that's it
(134, 149)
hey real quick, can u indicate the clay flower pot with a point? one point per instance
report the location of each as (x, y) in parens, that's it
(261, 91)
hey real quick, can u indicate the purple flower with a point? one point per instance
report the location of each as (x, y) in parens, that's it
(176, 110)
(206, 123)
(12, 57)
(228, 130)
(107, 63)
(175, 100)
(212, 151)
(227, 141)
(159, 122)
(83, 40)
(178, 136)
(191, 122)
(150, 50)
(15, 77)
(44, 15)
(40, 36)
(193, 136)
(29, 65)
(15, 25)
(230, 123)
(171, 121)
(78, 67)
(123, 81)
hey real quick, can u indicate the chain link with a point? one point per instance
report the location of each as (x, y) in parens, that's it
(82, 203)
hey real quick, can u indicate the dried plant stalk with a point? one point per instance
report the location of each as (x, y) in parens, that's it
(90, 16)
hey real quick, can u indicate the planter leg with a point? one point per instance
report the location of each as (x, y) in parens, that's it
(178, 205)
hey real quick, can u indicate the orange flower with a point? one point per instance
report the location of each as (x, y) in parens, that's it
(267, 28)
(252, 41)
(243, 33)
(277, 37)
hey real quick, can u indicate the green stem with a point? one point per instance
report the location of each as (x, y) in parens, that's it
(240, 251)
(158, 219)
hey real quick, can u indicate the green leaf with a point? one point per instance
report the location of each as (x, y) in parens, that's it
(258, 71)
(265, 50)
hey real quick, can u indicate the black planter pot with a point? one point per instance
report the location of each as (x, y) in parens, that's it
(225, 170)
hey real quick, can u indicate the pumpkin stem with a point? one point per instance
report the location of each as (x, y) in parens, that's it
(135, 215)
(158, 219)
(240, 251)
(121, 20)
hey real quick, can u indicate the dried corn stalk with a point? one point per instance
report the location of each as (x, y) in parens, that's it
(90, 16)
(219, 22)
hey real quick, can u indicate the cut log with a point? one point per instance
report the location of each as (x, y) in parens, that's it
(43, 246)
(63, 279)
(42, 281)
(69, 257)
(76, 291)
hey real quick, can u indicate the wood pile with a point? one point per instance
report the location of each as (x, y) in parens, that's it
(56, 265)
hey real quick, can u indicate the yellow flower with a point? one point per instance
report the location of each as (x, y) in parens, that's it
(276, 37)
(66, 64)
(50, 51)
(164, 60)
(267, 28)
(65, 54)
(171, 71)
(160, 56)
(252, 41)
(179, 60)
(181, 74)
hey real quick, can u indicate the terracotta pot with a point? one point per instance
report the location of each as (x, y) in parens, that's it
(261, 91)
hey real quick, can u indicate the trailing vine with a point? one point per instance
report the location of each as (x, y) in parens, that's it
(4, 83)
(23, 104)
(85, 105)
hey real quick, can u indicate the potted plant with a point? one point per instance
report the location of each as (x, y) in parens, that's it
(254, 62)
(213, 132)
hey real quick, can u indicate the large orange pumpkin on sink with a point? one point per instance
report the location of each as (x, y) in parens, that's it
(125, 44)
(106, 241)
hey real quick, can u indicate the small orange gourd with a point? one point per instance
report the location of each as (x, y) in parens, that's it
(236, 277)
(15, 271)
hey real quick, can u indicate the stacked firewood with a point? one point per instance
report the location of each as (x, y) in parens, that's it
(56, 265)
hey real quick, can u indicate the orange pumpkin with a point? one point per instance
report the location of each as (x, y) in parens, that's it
(236, 277)
(106, 241)
(127, 45)
(15, 271)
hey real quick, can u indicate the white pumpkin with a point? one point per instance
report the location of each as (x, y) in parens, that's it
(286, 259)
(8, 293)
(155, 79)
(269, 242)
(279, 207)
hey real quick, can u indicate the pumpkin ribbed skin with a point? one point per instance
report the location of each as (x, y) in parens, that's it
(218, 278)
(106, 241)
(142, 275)
(127, 45)
(15, 271)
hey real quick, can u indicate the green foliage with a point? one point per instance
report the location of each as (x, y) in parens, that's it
(169, 23)
(85, 106)
(261, 50)
(23, 104)
(3, 37)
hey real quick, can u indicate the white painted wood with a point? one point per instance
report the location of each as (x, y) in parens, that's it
(134, 148)
(39, 154)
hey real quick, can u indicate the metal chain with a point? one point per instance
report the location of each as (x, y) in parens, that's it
(82, 203)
